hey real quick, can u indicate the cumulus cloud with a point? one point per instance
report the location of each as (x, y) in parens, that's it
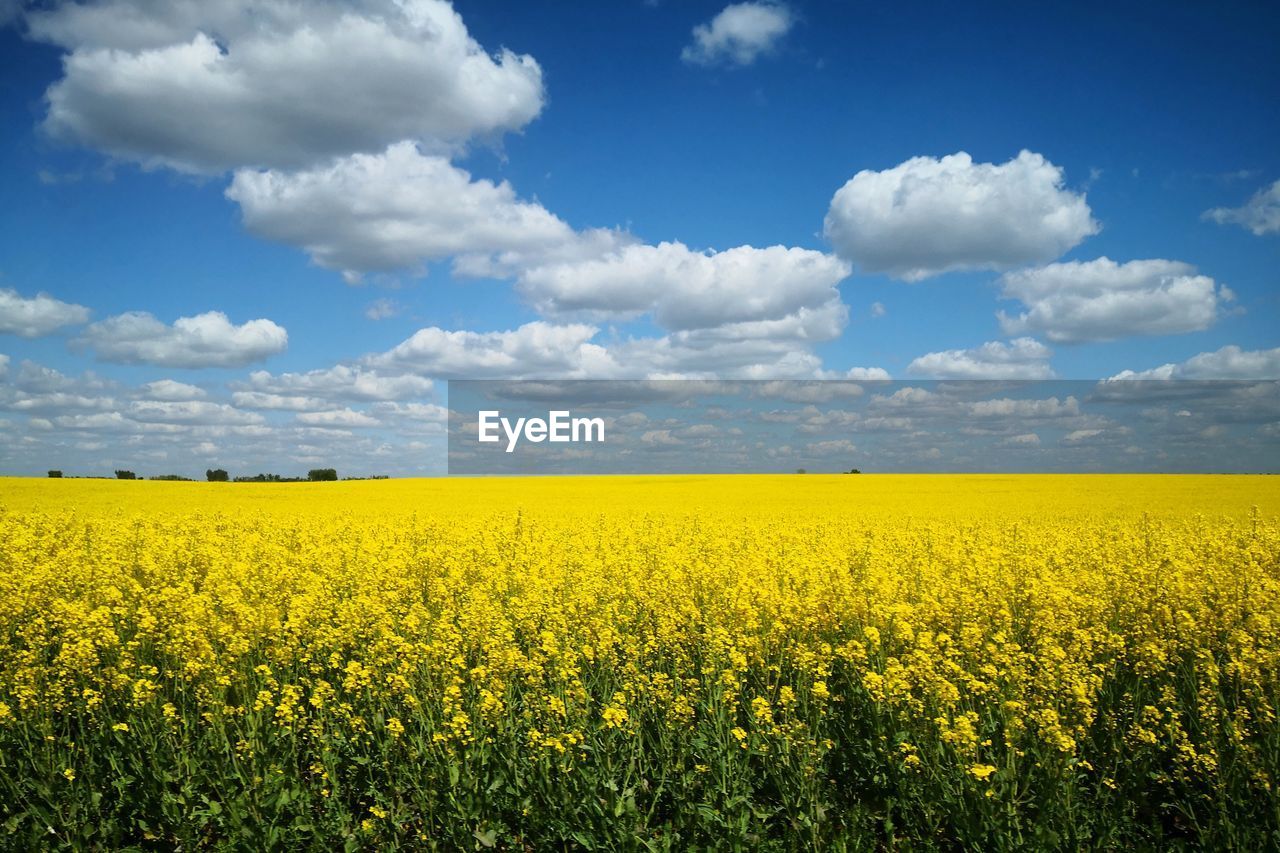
(831, 447)
(1260, 214)
(1230, 362)
(208, 87)
(683, 289)
(340, 382)
(534, 349)
(205, 340)
(402, 207)
(338, 418)
(714, 354)
(32, 317)
(393, 210)
(189, 412)
(739, 34)
(1102, 300)
(546, 350)
(929, 216)
(169, 390)
(382, 309)
(1023, 358)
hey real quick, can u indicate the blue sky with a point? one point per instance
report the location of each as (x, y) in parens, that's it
(691, 189)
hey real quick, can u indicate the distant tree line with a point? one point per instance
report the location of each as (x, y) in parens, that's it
(220, 475)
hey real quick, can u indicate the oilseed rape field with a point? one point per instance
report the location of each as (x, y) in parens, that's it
(660, 663)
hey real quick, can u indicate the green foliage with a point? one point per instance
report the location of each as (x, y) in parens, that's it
(329, 779)
(216, 475)
(322, 474)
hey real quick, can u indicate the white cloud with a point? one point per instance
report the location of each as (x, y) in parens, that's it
(1102, 300)
(277, 402)
(168, 389)
(392, 210)
(37, 315)
(340, 382)
(660, 438)
(878, 309)
(831, 447)
(740, 34)
(1023, 358)
(541, 349)
(1230, 362)
(428, 414)
(534, 349)
(929, 216)
(714, 354)
(1026, 439)
(1005, 407)
(102, 422)
(1079, 435)
(34, 388)
(189, 412)
(686, 290)
(4, 366)
(339, 418)
(205, 340)
(805, 392)
(1260, 214)
(867, 373)
(207, 87)
(383, 309)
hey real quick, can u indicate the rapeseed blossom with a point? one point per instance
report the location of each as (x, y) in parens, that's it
(764, 654)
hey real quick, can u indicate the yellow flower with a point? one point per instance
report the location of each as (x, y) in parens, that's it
(981, 772)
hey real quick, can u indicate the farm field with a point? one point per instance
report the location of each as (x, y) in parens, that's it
(764, 662)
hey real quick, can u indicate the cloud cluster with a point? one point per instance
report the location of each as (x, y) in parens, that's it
(1230, 362)
(328, 387)
(340, 123)
(683, 289)
(1102, 300)
(537, 349)
(89, 424)
(209, 87)
(930, 215)
(1022, 358)
(739, 34)
(1260, 214)
(392, 210)
(205, 340)
(35, 316)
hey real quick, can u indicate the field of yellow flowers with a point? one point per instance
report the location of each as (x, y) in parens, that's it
(660, 663)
